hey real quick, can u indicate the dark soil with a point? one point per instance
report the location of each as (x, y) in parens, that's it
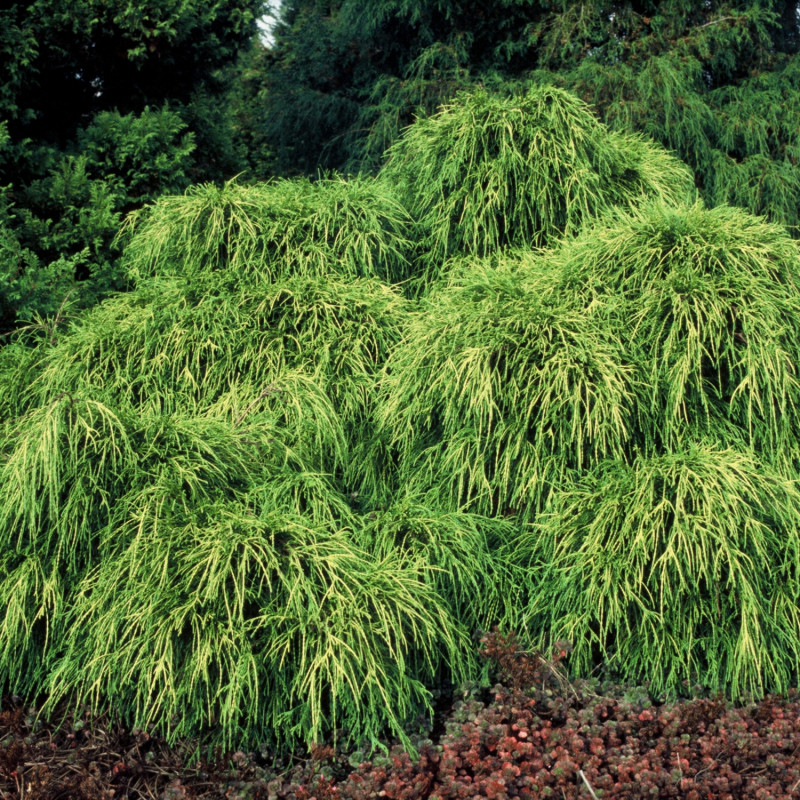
(87, 757)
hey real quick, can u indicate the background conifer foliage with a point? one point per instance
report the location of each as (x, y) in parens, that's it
(535, 372)
(103, 106)
(715, 82)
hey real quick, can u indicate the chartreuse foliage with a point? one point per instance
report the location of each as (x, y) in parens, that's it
(65, 464)
(181, 538)
(259, 622)
(680, 566)
(265, 497)
(502, 387)
(463, 556)
(633, 394)
(355, 228)
(711, 301)
(180, 345)
(491, 171)
(161, 563)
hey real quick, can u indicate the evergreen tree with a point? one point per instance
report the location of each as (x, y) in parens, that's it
(104, 107)
(714, 82)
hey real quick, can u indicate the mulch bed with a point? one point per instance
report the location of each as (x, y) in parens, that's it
(89, 757)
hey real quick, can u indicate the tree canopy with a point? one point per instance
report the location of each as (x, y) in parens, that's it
(65, 65)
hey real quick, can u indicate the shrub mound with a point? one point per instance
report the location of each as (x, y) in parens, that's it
(176, 538)
(501, 388)
(630, 398)
(354, 228)
(709, 302)
(491, 171)
(680, 566)
(265, 497)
